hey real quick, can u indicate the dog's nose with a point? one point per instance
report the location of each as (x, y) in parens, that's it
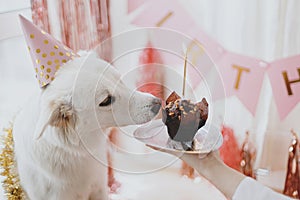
(156, 104)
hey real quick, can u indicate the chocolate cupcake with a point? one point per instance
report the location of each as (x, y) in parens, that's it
(183, 118)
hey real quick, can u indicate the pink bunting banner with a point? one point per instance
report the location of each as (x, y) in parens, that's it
(284, 75)
(134, 4)
(242, 76)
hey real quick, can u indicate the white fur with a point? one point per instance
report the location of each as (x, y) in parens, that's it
(62, 163)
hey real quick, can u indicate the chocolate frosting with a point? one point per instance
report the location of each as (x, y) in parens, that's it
(183, 118)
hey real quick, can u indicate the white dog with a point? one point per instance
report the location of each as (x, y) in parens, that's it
(60, 145)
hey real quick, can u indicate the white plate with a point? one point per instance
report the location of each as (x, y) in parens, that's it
(155, 134)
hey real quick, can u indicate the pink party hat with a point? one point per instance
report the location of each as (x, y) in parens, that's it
(47, 53)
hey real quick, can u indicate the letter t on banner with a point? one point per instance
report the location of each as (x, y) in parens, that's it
(243, 76)
(239, 74)
(285, 80)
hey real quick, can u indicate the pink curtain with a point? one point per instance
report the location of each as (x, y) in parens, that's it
(82, 24)
(40, 14)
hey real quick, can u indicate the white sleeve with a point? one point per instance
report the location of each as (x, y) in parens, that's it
(250, 189)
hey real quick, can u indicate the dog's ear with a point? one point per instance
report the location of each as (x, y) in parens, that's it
(63, 117)
(60, 115)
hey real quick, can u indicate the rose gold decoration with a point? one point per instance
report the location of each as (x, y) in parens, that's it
(248, 154)
(292, 181)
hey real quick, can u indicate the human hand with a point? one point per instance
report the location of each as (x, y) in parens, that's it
(211, 167)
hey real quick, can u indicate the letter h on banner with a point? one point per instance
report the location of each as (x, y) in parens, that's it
(289, 82)
(285, 80)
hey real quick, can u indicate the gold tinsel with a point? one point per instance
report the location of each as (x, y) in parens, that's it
(11, 182)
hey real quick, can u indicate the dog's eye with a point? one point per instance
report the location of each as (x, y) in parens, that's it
(107, 101)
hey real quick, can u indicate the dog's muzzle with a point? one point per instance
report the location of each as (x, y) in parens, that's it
(156, 104)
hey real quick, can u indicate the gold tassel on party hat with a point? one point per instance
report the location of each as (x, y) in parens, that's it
(11, 182)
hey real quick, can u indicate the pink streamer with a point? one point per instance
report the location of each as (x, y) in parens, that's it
(84, 24)
(40, 14)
